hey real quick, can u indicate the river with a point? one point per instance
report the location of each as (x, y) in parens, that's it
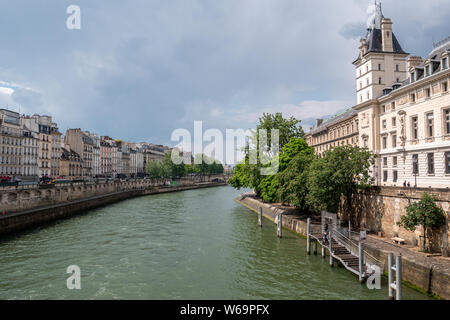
(196, 244)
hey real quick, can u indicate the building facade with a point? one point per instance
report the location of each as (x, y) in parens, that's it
(402, 113)
(11, 163)
(71, 164)
(81, 143)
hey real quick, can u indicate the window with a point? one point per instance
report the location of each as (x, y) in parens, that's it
(394, 122)
(384, 124)
(394, 176)
(383, 109)
(447, 162)
(384, 142)
(444, 63)
(379, 80)
(430, 125)
(447, 121)
(415, 163)
(427, 92)
(427, 71)
(414, 128)
(394, 141)
(413, 77)
(385, 176)
(397, 68)
(430, 163)
(385, 162)
(379, 67)
(444, 87)
(413, 97)
(394, 161)
(393, 106)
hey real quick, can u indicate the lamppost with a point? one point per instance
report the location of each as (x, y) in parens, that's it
(415, 169)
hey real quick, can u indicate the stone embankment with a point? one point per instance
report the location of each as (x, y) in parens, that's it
(29, 207)
(428, 274)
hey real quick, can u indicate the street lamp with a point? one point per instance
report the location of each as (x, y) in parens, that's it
(415, 170)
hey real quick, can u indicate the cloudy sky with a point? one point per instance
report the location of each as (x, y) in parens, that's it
(140, 69)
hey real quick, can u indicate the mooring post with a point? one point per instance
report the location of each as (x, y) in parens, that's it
(315, 247)
(398, 278)
(308, 236)
(330, 240)
(323, 251)
(390, 275)
(280, 225)
(361, 262)
(260, 216)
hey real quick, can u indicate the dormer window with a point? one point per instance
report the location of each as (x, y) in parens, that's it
(413, 77)
(427, 71)
(444, 63)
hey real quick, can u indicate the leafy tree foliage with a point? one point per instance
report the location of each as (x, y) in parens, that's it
(341, 171)
(425, 213)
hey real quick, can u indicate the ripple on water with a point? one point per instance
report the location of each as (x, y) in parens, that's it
(197, 244)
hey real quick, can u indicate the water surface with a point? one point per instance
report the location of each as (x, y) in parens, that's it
(196, 244)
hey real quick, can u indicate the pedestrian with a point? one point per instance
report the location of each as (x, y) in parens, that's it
(409, 186)
(404, 184)
(325, 233)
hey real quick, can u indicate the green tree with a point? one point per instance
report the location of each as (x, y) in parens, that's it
(425, 213)
(288, 127)
(341, 171)
(248, 175)
(293, 182)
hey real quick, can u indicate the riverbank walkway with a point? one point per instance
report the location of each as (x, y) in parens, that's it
(343, 246)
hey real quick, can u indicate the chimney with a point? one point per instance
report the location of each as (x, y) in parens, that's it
(363, 46)
(386, 31)
(414, 61)
(319, 122)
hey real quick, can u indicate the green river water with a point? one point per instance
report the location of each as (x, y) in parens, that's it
(197, 244)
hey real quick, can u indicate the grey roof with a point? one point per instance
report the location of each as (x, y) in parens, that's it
(434, 57)
(375, 42)
(333, 120)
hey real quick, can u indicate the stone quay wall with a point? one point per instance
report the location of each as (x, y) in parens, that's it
(380, 209)
(428, 274)
(64, 201)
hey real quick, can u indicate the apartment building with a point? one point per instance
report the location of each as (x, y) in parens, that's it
(71, 164)
(81, 143)
(10, 144)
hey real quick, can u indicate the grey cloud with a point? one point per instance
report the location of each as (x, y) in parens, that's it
(353, 30)
(138, 71)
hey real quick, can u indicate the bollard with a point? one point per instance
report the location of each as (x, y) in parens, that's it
(315, 247)
(361, 262)
(280, 225)
(390, 275)
(308, 236)
(330, 240)
(398, 280)
(260, 216)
